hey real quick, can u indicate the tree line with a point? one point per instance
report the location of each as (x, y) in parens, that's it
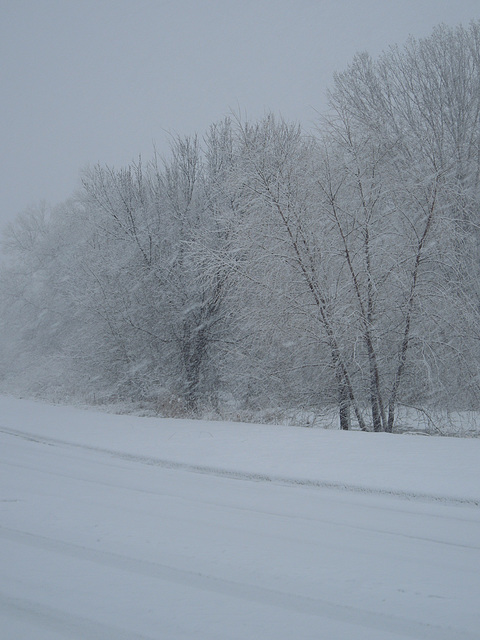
(260, 266)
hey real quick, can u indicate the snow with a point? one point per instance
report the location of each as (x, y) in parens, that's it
(125, 527)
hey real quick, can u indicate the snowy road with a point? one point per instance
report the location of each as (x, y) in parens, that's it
(95, 546)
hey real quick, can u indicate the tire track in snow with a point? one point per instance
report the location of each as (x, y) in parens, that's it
(66, 624)
(357, 527)
(406, 627)
(243, 475)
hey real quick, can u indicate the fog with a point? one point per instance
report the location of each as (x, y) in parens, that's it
(105, 80)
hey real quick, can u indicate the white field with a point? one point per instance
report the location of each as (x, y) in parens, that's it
(118, 527)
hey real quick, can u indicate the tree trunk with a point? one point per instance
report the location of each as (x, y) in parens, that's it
(344, 406)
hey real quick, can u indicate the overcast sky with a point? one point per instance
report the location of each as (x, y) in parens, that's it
(87, 81)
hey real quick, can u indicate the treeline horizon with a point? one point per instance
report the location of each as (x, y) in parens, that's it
(261, 268)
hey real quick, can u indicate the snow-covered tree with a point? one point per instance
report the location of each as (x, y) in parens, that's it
(260, 267)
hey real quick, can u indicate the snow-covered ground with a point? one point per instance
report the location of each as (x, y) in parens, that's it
(118, 527)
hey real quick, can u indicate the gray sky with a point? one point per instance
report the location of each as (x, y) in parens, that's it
(86, 81)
